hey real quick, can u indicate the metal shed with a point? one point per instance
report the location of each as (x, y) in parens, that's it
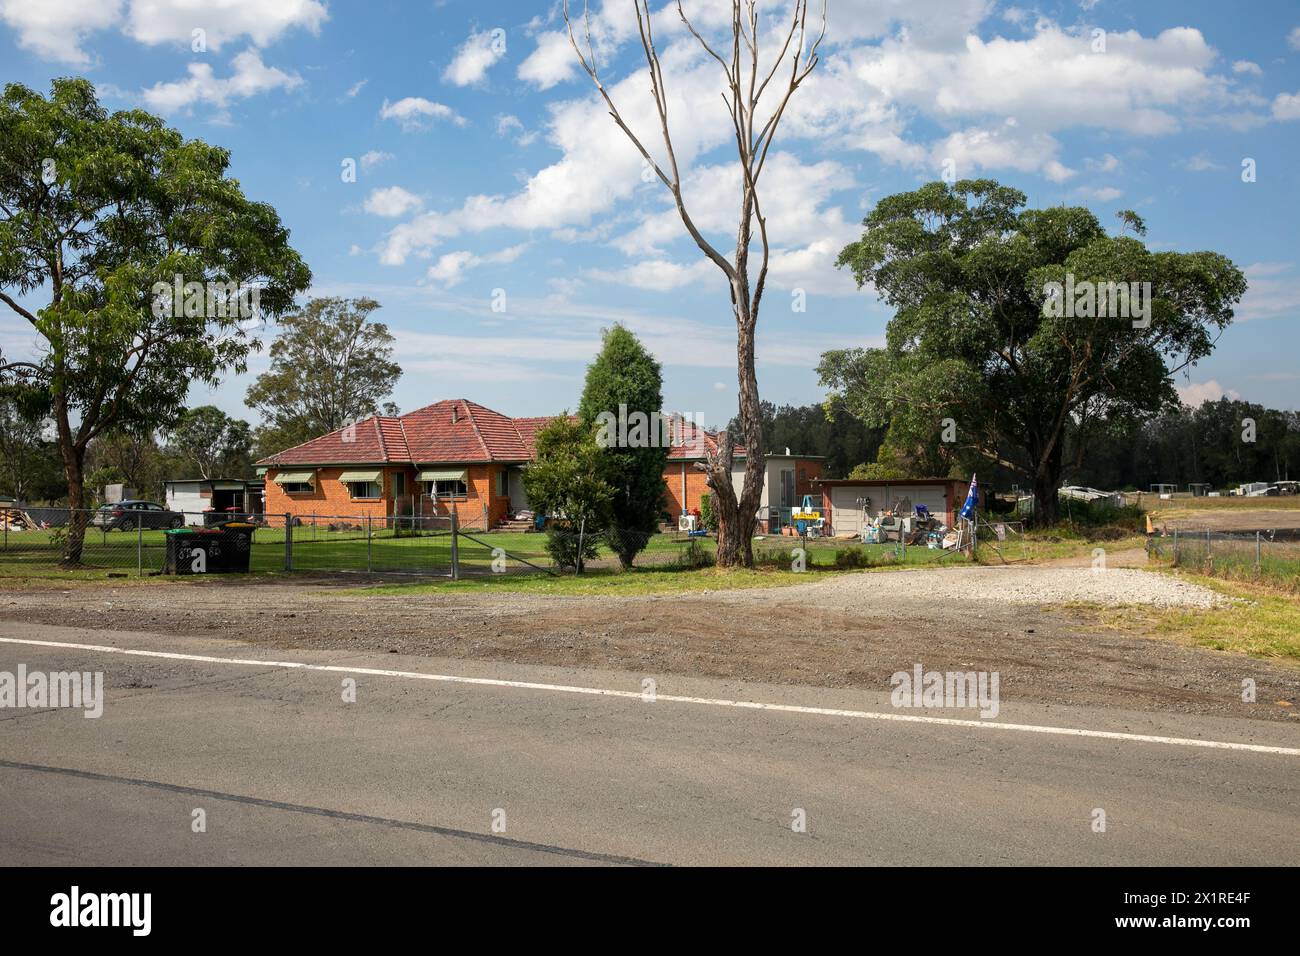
(849, 502)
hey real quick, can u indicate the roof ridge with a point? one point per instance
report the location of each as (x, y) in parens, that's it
(406, 441)
(487, 452)
(271, 458)
(379, 433)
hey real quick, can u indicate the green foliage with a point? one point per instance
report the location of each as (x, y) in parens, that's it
(829, 430)
(965, 268)
(212, 442)
(625, 380)
(29, 460)
(708, 514)
(852, 558)
(125, 203)
(1076, 515)
(564, 483)
(330, 365)
(1204, 444)
(695, 555)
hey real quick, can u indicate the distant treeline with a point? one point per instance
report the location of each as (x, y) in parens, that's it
(1223, 444)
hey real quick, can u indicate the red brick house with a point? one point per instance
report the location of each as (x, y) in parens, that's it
(457, 453)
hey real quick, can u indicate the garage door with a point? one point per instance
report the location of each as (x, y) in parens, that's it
(929, 495)
(846, 513)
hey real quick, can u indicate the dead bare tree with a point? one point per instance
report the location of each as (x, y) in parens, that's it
(746, 83)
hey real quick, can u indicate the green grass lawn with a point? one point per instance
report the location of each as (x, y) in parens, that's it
(1264, 622)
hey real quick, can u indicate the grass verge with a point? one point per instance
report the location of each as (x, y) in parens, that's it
(1264, 622)
(606, 582)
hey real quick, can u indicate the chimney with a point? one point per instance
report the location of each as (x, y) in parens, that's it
(787, 451)
(455, 413)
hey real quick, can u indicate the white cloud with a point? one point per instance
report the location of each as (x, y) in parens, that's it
(56, 29)
(1286, 106)
(373, 158)
(1247, 67)
(262, 21)
(392, 201)
(1002, 147)
(1200, 163)
(250, 77)
(1273, 291)
(355, 88)
(658, 275)
(412, 111)
(1293, 38)
(1104, 164)
(475, 57)
(1197, 393)
(1101, 193)
(450, 269)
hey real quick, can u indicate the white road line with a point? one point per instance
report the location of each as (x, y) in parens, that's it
(673, 698)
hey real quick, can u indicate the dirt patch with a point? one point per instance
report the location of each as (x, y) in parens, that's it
(850, 631)
(1227, 519)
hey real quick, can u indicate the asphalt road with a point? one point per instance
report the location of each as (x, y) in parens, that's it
(417, 771)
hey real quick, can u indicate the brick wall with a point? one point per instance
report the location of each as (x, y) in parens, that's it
(696, 488)
(481, 507)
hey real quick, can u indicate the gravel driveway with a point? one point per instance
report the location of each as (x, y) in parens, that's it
(1031, 585)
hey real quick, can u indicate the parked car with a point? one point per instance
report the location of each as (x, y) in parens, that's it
(129, 515)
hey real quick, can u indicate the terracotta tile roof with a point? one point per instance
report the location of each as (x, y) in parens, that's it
(691, 442)
(450, 431)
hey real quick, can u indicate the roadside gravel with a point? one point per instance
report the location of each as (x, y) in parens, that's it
(1031, 585)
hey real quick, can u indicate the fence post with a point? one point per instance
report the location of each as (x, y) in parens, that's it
(1257, 551)
(455, 551)
(1175, 547)
(370, 564)
(139, 548)
(582, 527)
(1209, 550)
(288, 542)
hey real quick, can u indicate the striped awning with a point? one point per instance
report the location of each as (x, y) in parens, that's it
(296, 478)
(444, 475)
(350, 476)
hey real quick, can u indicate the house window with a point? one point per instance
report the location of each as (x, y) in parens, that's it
(364, 489)
(503, 484)
(296, 487)
(399, 484)
(447, 489)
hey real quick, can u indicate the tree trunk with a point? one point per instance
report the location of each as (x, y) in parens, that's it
(74, 460)
(736, 514)
(1047, 482)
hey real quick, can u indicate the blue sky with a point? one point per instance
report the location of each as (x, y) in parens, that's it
(486, 167)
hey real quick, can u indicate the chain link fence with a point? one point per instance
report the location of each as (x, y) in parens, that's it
(131, 542)
(1269, 556)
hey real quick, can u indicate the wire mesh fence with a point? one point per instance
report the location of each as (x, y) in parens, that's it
(1272, 556)
(148, 541)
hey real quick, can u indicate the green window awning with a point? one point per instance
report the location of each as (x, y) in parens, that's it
(444, 475)
(260, 472)
(350, 476)
(296, 478)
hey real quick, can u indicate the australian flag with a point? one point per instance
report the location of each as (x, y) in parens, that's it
(972, 500)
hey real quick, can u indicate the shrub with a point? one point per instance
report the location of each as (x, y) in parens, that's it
(708, 514)
(852, 558)
(696, 555)
(562, 545)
